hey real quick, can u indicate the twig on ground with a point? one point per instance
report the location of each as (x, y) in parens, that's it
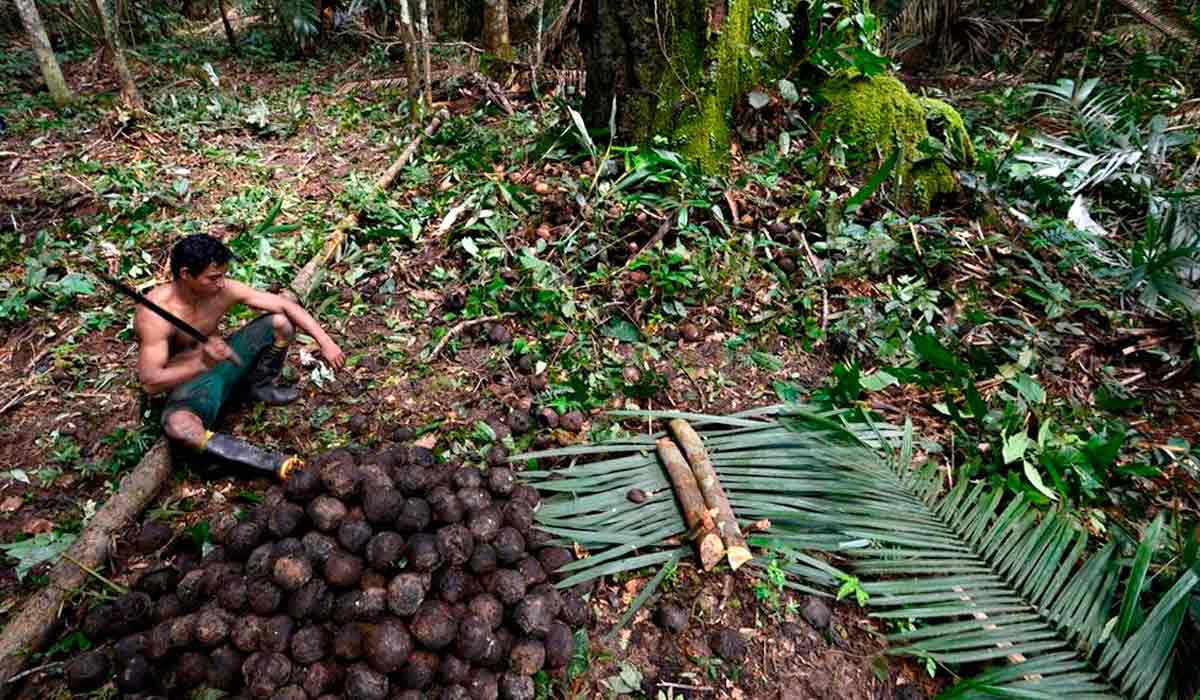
(459, 328)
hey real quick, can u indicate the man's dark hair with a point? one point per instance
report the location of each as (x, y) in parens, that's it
(197, 252)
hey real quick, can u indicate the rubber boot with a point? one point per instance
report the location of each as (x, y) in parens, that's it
(234, 451)
(264, 378)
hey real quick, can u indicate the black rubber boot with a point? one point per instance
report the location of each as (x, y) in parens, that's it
(264, 378)
(241, 453)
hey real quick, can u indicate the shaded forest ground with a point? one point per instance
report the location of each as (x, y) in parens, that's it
(747, 299)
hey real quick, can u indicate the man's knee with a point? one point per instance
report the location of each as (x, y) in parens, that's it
(282, 326)
(185, 427)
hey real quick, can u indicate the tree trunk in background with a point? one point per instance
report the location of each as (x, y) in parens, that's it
(51, 73)
(411, 49)
(233, 45)
(426, 40)
(459, 19)
(129, 92)
(674, 67)
(495, 29)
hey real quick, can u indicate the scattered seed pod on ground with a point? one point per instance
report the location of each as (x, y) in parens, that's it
(342, 570)
(310, 645)
(519, 422)
(261, 562)
(318, 546)
(264, 597)
(474, 637)
(246, 635)
(211, 629)
(519, 516)
(509, 545)
(445, 506)
(360, 606)
(414, 516)
(499, 334)
(326, 513)
(483, 560)
(313, 601)
(348, 642)
(484, 524)
(483, 685)
(527, 657)
(233, 592)
(572, 422)
(243, 539)
(467, 478)
(422, 552)
(292, 572)
(534, 614)
(421, 670)
(474, 499)
(302, 486)
(559, 645)
(382, 505)
(134, 675)
(532, 570)
(453, 584)
(277, 634)
(322, 677)
(263, 673)
(285, 518)
(516, 687)
(385, 550)
(497, 457)
(153, 535)
(455, 544)
(729, 644)
(224, 668)
(159, 582)
(636, 496)
(453, 670)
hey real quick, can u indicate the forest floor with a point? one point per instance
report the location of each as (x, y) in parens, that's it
(746, 300)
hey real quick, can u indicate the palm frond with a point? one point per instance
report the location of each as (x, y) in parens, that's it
(989, 579)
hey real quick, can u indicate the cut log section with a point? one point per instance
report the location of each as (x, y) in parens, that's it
(701, 528)
(714, 495)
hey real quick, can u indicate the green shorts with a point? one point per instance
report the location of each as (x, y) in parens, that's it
(207, 393)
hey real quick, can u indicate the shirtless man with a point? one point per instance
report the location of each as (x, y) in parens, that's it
(200, 378)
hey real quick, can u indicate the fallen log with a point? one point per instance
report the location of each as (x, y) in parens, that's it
(714, 495)
(699, 521)
(34, 625)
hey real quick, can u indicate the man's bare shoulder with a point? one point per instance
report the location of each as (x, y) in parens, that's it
(148, 324)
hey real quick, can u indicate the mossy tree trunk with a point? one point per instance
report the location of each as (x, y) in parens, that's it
(675, 67)
(495, 29)
(51, 73)
(130, 96)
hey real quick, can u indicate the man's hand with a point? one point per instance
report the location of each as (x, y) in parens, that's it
(216, 350)
(333, 355)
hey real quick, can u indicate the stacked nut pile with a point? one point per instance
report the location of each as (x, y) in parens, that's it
(389, 576)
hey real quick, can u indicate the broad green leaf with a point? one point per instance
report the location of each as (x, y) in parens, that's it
(47, 546)
(788, 91)
(1015, 446)
(758, 99)
(1029, 389)
(622, 330)
(1035, 478)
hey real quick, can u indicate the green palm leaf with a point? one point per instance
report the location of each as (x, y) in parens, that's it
(989, 579)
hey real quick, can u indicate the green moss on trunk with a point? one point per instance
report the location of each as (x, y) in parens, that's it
(875, 115)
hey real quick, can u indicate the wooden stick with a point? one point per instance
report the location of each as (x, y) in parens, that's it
(34, 625)
(714, 495)
(695, 514)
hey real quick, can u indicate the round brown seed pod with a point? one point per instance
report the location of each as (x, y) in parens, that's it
(243, 539)
(571, 421)
(153, 535)
(518, 515)
(454, 692)
(264, 597)
(467, 478)
(527, 657)
(129, 647)
(554, 558)
(220, 526)
(413, 480)
(211, 628)
(509, 545)
(313, 601)
(445, 506)
(474, 499)
(190, 590)
(290, 692)
(455, 544)
(247, 633)
(386, 645)
(191, 670)
(509, 586)
(381, 506)
(497, 656)
(261, 562)
(488, 608)
(385, 550)
(483, 559)
(406, 592)
(526, 494)
(559, 644)
(483, 685)
(292, 572)
(516, 687)
(167, 608)
(360, 606)
(554, 598)
(310, 645)
(453, 670)
(343, 570)
(474, 638)
(341, 479)
(537, 538)
(87, 671)
(453, 584)
(134, 675)
(421, 670)
(326, 513)
(224, 668)
(532, 570)
(159, 582)
(354, 534)
(372, 579)
(277, 634)
(421, 456)
(158, 641)
(302, 485)
(365, 683)
(323, 677)
(422, 552)
(233, 592)
(181, 631)
(497, 456)
(434, 625)
(533, 615)
(414, 516)
(317, 546)
(501, 480)
(347, 642)
(575, 610)
(264, 672)
(134, 611)
(285, 518)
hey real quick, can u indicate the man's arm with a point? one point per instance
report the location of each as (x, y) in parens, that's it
(155, 370)
(273, 303)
